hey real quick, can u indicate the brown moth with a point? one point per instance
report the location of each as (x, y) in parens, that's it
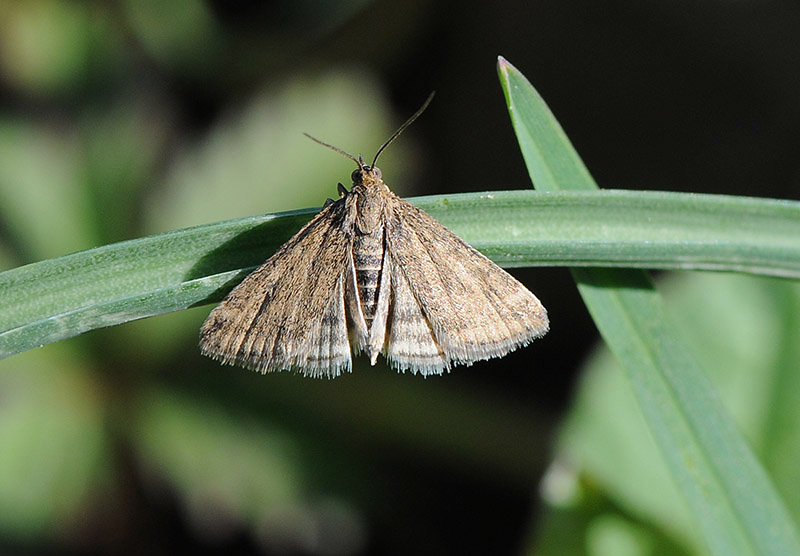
(374, 272)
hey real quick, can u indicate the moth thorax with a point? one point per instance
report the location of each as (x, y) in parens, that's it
(368, 259)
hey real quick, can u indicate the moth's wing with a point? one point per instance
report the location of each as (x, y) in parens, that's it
(451, 303)
(290, 312)
(409, 343)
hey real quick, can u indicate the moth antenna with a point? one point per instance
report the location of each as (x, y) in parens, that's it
(337, 149)
(403, 127)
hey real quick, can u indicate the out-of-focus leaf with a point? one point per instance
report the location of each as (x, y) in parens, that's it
(52, 442)
(233, 474)
(42, 199)
(605, 444)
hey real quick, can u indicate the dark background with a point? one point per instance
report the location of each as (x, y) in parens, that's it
(695, 96)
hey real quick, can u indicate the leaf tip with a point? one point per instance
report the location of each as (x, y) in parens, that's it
(502, 64)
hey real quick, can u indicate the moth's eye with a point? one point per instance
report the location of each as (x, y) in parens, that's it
(377, 172)
(356, 176)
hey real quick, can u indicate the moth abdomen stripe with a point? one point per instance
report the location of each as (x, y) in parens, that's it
(368, 261)
(368, 278)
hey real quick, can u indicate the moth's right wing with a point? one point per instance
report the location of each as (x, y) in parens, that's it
(289, 314)
(450, 304)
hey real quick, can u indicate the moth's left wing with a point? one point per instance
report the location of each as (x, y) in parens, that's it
(290, 312)
(454, 298)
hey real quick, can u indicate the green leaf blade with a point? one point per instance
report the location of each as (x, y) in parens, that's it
(729, 494)
(60, 298)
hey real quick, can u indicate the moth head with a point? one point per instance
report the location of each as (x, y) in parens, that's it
(366, 174)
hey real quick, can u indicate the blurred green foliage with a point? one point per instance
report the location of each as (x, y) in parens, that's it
(607, 467)
(122, 119)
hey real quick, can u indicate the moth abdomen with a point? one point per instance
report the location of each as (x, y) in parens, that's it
(368, 261)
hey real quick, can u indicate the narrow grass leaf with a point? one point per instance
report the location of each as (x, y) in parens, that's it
(59, 298)
(728, 492)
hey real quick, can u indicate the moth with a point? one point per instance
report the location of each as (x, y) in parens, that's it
(372, 273)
